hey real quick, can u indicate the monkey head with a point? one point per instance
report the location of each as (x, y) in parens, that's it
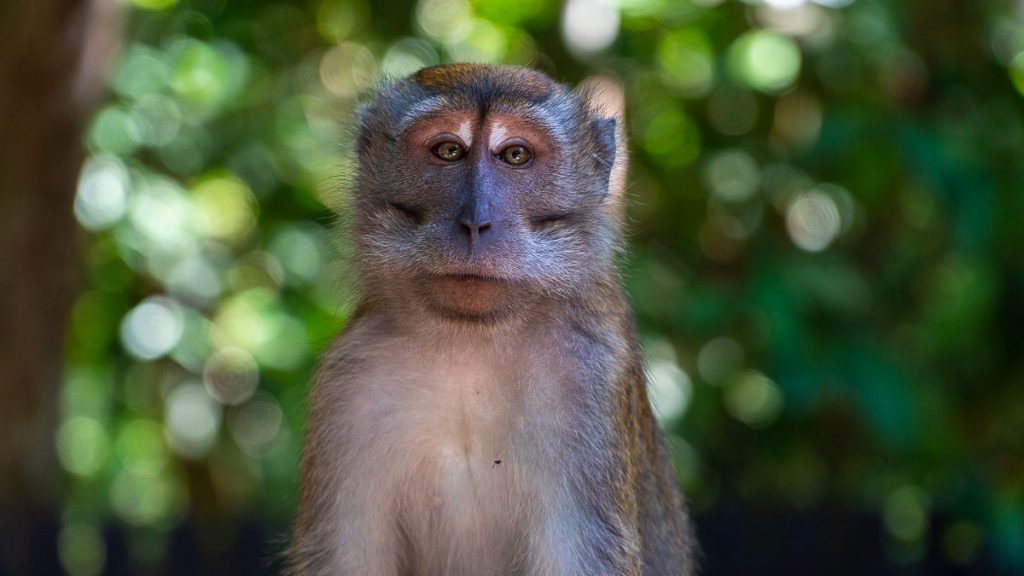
(481, 192)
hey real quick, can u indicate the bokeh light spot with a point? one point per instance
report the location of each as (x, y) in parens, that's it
(753, 398)
(241, 320)
(195, 345)
(805, 21)
(407, 56)
(231, 376)
(669, 389)
(485, 42)
(114, 130)
(152, 328)
(141, 70)
(732, 175)
(337, 20)
(672, 138)
(906, 513)
(348, 69)
(833, 3)
(445, 20)
(589, 26)
(102, 196)
(765, 61)
(83, 446)
(509, 13)
(813, 221)
(255, 424)
(140, 447)
(254, 321)
(195, 276)
(288, 346)
(154, 4)
(784, 4)
(226, 208)
(192, 419)
(142, 499)
(87, 390)
(1006, 39)
(200, 73)
(157, 119)
(685, 60)
(81, 549)
(300, 253)
(718, 359)
(162, 216)
(1017, 72)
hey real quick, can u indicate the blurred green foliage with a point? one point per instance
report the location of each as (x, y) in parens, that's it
(824, 251)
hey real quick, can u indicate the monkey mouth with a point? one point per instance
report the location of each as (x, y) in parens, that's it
(467, 296)
(470, 279)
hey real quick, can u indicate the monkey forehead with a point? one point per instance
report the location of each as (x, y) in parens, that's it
(487, 82)
(538, 120)
(513, 90)
(496, 126)
(481, 88)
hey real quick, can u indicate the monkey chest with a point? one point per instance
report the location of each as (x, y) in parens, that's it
(475, 462)
(462, 471)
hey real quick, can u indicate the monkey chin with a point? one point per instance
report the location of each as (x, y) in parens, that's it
(469, 298)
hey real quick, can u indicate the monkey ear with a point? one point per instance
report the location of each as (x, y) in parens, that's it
(605, 96)
(604, 141)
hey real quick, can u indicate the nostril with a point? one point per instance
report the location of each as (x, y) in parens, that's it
(472, 227)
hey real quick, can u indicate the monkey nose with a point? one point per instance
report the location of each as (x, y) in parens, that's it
(474, 220)
(474, 226)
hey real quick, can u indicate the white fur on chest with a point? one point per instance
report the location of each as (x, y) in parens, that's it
(458, 444)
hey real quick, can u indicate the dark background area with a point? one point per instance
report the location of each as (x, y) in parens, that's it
(824, 255)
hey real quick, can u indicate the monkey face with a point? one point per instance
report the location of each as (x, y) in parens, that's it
(481, 203)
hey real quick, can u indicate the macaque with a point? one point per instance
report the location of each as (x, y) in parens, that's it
(485, 410)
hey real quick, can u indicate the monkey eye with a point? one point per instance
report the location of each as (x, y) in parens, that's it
(449, 151)
(516, 155)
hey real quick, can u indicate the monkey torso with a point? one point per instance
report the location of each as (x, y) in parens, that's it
(458, 453)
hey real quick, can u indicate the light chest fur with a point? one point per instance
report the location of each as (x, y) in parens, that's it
(459, 442)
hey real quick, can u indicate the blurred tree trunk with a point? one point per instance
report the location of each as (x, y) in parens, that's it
(54, 55)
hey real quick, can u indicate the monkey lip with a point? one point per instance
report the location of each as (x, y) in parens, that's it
(470, 279)
(467, 294)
